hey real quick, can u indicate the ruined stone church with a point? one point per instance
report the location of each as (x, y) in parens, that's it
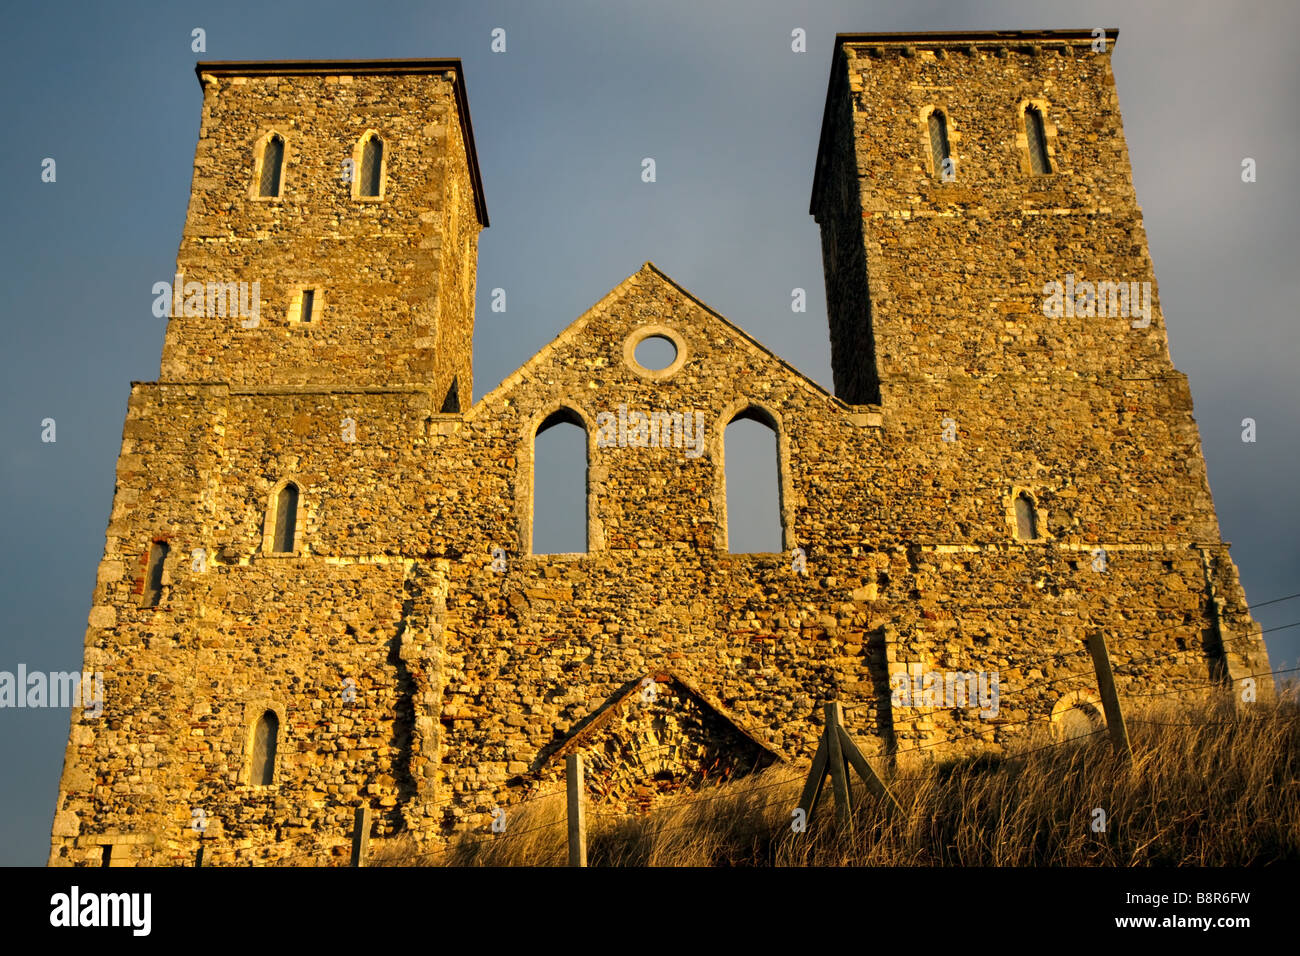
(318, 589)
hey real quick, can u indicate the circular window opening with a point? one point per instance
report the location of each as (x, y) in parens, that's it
(656, 353)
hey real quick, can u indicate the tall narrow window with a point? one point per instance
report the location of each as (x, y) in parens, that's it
(286, 519)
(272, 165)
(372, 163)
(939, 145)
(154, 574)
(560, 485)
(1026, 519)
(1036, 133)
(306, 306)
(266, 735)
(753, 480)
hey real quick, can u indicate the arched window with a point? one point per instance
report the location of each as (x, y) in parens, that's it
(154, 574)
(560, 484)
(938, 124)
(272, 165)
(753, 484)
(1026, 518)
(1036, 133)
(1077, 716)
(372, 165)
(285, 519)
(266, 734)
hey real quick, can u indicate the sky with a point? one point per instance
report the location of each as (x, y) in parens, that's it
(562, 119)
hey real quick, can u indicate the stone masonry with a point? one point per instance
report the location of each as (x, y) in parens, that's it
(412, 654)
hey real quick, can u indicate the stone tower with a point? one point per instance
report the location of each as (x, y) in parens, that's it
(323, 298)
(386, 242)
(988, 282)
(319, 590)
(936, 273)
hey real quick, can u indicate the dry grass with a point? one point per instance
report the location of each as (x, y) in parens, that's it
(1208, 788)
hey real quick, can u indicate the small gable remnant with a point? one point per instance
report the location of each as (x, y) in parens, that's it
(657, 738)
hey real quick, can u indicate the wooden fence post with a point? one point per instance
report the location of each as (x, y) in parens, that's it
(869, 776)
(836, 752)
(1109, 696)
(577, 811)
(837, 767)
(361, 836)
(812, 788)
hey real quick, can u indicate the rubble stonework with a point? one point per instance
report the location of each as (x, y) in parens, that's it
(421, 660)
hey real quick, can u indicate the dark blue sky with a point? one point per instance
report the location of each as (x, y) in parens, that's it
(562, 120)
